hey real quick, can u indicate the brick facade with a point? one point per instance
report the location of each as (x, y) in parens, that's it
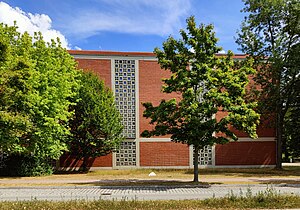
(158, 151)
(246, 153)
(102, 68)
(68, 161)
(150, 84)
(163, 154)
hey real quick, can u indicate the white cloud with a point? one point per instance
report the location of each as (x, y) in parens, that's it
(77, 48)
(155, 17)
(30, 23)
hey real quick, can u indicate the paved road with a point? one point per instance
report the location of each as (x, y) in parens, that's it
(136, 193)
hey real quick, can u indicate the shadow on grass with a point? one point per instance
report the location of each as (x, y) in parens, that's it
(250, 172)
(283, 182)
(10, 177)
(70, 172)
(131, 183)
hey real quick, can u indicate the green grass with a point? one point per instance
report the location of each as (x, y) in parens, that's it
(180, 173)
(164, 177)
(257, 172)
(266, 199)
(188, 173)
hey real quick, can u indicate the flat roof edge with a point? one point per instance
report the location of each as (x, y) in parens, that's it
(131, 54)
(113, 53)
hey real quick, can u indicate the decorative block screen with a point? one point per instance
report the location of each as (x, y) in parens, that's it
(126, 155)
(205, 156)
(125, 88)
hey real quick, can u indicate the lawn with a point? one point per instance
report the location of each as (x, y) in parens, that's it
(163, 177)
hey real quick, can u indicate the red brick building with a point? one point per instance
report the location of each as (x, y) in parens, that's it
(135, 78)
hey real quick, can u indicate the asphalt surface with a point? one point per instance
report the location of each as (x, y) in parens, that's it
(138, 192)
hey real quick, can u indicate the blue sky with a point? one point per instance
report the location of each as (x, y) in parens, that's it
(121, 25)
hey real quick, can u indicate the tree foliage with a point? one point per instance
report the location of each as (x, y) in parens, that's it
(96, 127)
(270, 34)
(37, 82)
(208, 85)
(292, 136)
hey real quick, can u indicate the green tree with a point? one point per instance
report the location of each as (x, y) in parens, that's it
(292, 135)
(270, 34)
(97, 126)
(208, 85)
(291, 141)
(37, 81)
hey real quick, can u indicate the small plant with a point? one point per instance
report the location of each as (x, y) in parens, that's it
(249, 193)
(231, 196)
(265, 199)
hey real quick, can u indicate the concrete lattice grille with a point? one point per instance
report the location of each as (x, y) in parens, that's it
(125, 88)
(205, 156)
(126, 155)
(125, 96)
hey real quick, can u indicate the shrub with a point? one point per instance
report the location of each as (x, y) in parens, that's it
(24, 165)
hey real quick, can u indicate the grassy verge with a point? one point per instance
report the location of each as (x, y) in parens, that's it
(216, 172)
(135, 177)
(267, 199)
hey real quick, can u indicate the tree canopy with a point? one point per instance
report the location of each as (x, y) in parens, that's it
(270, 34)
(97, 126)
(37, 82)
(208, 85)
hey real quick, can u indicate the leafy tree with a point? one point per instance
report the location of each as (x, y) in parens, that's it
(270, 34)
(292, 137)
(208, 85)
(37, 81)
(291, 140)
(96, 127)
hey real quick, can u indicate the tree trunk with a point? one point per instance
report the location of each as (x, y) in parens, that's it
(196, 167)
(84, 163)
(285, 151)
(279, 134)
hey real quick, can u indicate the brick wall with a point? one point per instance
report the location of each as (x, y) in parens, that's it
(101, 67)
(163, 154)
(246, 153)
(264, 129)
(150, 85)
(69, 161)
(169, 153)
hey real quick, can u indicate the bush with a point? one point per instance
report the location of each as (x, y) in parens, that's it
(21, 165)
